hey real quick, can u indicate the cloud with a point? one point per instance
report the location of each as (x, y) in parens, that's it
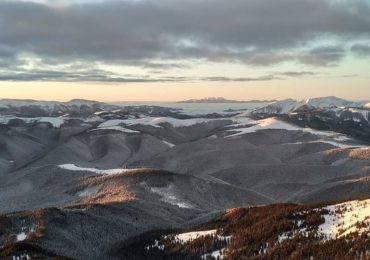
(92, 74)
(227, 79)
(272, 76)
(86, 76)
(297, 73)
(323, 56)
(254, 32)
(361, 49)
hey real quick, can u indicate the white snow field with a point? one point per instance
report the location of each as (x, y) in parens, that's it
(73, 167)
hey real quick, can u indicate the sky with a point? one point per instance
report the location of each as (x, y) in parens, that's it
(169, 50)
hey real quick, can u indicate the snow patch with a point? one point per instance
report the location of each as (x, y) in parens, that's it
(341, 145)
(218, 254)
(111, 123)
(189, 236)
(21, 236)
(116, 128)
(25, 230)
(268, 123)
(334, 143)
(156, 121)
(168, 195)
(184, 238)
(56, 122)
(73, 167)
(100, 112)
(282, 237)
(21, 257)
(363, 112)
(168, 144)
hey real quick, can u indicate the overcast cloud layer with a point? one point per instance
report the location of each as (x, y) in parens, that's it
(39, 39)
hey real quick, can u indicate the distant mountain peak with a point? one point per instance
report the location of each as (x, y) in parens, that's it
(77, 100)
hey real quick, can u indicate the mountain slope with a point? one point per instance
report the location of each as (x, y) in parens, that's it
(291, 105)
(99, 208)
(327, 113)
(284, 231)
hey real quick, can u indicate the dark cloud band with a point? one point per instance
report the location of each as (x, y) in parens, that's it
(254, 32)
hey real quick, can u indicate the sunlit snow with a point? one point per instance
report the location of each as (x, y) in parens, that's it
(186, 237)
(344, 217)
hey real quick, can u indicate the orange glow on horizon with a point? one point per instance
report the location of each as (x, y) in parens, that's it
(64, 91)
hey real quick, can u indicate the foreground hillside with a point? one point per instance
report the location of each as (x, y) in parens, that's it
(282, 231)
(84, 213)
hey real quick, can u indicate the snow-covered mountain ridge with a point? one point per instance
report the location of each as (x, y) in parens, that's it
(324, 113)
(34, 108)
(290, 105)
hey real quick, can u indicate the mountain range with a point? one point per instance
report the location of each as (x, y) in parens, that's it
(90, 180)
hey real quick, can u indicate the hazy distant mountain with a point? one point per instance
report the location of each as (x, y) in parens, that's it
(34, 108)
(222, 100)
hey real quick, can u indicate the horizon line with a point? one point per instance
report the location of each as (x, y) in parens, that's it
(177, 101)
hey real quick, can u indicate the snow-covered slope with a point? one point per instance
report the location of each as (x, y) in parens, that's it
(346, 218)
(329, 137)
(350, 118)
(327, 102)
(340, 220)
(291, 105)
(268, 123)
(156, 122)
(337, 231)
